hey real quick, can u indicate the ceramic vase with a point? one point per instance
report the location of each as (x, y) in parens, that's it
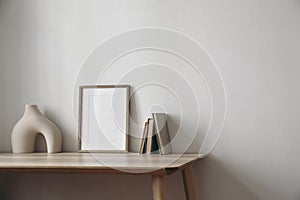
(29, 126)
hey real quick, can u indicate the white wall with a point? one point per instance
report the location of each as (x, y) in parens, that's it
(255, 44)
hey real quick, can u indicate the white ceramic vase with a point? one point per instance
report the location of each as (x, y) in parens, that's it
(29, 126)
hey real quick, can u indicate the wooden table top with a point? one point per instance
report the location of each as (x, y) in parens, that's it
(95, 163)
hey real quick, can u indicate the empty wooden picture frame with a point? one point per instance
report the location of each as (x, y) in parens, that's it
(103, 118)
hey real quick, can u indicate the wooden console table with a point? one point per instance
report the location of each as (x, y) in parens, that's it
(157, 166)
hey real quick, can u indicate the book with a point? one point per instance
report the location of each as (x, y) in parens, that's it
(162, 133)
(144, 139)
(152, 145)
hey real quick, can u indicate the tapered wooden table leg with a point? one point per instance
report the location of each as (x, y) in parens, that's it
(158, 188)
(188, 182)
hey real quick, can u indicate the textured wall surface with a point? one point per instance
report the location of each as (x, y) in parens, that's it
(255, 45)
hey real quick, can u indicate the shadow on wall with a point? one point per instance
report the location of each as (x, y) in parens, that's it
(3, 187)
(214, 182)
(77, 187)
(67, 139)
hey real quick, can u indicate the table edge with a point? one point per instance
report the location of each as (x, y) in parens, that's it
(93, 169)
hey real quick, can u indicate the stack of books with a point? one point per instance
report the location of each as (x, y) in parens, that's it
(156, 137)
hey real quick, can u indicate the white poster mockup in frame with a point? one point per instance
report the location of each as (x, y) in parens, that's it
(103, 118)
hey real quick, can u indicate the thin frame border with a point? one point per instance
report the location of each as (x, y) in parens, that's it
(81, 88)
